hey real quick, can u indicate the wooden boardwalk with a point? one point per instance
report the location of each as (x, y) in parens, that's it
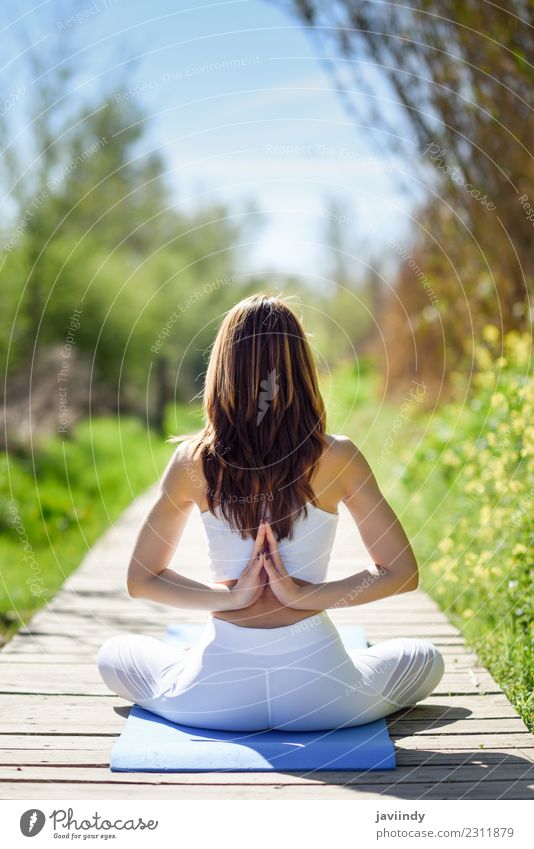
(58, 721)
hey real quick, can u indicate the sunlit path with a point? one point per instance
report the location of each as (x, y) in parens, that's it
(58, 721)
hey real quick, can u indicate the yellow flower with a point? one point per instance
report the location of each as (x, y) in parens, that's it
(484, 362)
(518, 347)
(527, 391)
(490, 333)
(474, 486)
(485, 514)
(468, 613)
(450, 458)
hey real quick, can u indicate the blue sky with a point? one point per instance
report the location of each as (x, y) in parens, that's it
(243, 110)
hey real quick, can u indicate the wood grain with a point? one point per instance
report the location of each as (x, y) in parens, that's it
(58, 721)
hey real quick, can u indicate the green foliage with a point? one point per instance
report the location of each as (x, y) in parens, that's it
(53, 506)
(356, 407)
(462, 481)
(94, 229)
(470, 492)
(348, 391)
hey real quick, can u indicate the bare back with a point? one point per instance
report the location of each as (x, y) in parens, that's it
(267, 612)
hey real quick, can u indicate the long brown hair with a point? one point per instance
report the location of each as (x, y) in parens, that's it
(265, 419)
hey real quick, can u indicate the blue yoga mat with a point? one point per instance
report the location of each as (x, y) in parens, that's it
(149, 743)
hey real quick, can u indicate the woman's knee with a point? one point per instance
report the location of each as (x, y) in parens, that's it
(418, 671)
(438, 664)
(119, 670)
(433, 667)
(109, 660)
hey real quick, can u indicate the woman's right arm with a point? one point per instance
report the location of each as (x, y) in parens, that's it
(148, 574)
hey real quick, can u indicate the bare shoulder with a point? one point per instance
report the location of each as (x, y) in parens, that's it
(347, 463)
(183, 478)
(341, 449)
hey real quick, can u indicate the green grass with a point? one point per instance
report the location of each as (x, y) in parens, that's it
(56, 503)
(462, 482)
(378, 426)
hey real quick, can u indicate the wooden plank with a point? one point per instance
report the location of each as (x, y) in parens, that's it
(17, 750)
(472, 740)
(495, 705)
(454, 663)
(402, 727)
(104, 628)
(492, 706)
(418, 626)
(86, 620)
(402, 775)
(88, 644)
(94, 790)
(84, 679)
(415, 748)
(434, 708)
(97, 715)
(460, 756)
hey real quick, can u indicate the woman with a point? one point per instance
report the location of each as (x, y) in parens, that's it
(268, 481)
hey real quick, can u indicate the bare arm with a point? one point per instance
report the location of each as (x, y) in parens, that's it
(395, 567)
(148, 574)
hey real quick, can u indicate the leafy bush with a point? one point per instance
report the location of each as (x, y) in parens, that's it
(470, 482)
(56, 503)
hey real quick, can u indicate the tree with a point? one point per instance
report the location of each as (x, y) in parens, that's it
(92, 227)
(459, 92)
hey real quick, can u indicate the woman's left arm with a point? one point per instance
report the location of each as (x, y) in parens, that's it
(395, 567)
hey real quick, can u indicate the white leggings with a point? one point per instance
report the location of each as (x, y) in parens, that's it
(298, 677)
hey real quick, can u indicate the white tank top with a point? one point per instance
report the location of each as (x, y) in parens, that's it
(306, 556)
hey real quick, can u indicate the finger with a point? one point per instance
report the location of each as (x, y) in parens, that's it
(258, 563)
(252, 563)
(271, 569)
(278, 563)
(273, 546)
(259, 542)
(260, 576)
(271, 539)
(272, 562)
